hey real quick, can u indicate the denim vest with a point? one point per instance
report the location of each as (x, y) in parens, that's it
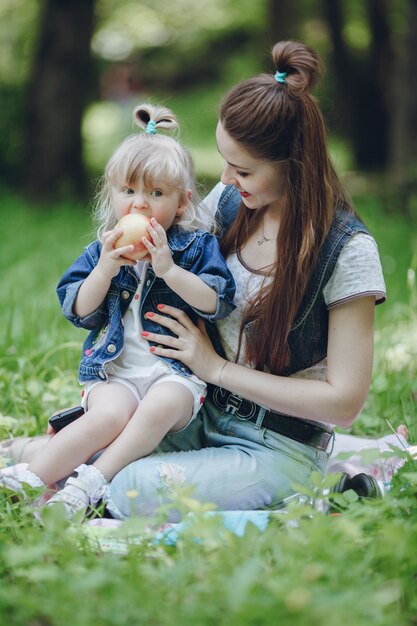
(309, 332)
(197, 252)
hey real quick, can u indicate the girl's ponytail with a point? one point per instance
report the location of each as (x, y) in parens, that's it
(152, 118)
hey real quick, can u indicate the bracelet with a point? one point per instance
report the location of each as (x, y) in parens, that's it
(221, 372)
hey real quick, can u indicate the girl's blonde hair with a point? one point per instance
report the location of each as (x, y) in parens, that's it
(153, 158)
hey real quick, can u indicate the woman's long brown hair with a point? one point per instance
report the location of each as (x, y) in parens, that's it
(282, 122)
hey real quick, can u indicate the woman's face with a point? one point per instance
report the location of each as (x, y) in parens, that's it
(259, 182)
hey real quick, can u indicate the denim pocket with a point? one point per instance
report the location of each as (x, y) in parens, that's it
(299, 452)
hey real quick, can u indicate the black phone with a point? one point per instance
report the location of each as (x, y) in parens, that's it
(62, 419)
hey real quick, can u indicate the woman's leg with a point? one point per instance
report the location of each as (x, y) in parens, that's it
(110, 406)
(229, 462)
(22, 449)
(167, 406)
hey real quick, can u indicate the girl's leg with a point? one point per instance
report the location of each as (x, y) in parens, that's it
(168, 406)
(110, 406)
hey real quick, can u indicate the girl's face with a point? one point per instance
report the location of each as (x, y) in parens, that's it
(163, 202)
(260, 182)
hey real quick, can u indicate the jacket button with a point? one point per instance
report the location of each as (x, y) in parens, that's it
(111, 348)
(125, 295)
(148, 282)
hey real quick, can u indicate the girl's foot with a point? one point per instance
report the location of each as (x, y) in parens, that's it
(73, 497)
(20, 480)
(81, 492)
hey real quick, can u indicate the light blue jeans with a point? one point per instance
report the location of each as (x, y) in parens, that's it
(232, 463)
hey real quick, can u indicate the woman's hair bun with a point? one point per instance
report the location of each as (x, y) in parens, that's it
(163, 117)
(301, 64)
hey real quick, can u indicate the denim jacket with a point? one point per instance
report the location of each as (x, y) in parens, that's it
(197, 252)
(309, 332)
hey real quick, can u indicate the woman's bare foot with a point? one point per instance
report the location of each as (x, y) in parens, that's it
(403, 431)
(22, 449)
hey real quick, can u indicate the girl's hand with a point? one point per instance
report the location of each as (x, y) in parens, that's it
(159, 251)
(191, 345)
(111, 258)
(50, 431)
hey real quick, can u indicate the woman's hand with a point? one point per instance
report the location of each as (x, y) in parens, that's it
(191, 345)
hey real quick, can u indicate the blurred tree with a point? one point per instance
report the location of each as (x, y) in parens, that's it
(176, 45)
(57, 93)
(283, 20)
(18, 23)
(363, 75)
(403, 138)
(161, 47)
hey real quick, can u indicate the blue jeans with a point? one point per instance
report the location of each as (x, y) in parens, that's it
(232, 463)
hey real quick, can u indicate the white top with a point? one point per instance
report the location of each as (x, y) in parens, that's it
(357, 273)
(135, 361)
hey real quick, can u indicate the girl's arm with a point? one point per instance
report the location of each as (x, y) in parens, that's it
(191, 289)
(94, 288)
(339, 399)
(186, 284)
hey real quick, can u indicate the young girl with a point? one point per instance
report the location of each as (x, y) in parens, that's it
(299, 345)
(131, 397)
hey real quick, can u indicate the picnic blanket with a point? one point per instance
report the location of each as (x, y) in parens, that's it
(381, 458)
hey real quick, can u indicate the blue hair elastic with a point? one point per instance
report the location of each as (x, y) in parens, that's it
(151, 128)
(280, 77)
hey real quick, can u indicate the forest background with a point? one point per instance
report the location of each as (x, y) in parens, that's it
(70, 73)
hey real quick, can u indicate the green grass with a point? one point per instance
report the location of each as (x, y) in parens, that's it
(357, 569)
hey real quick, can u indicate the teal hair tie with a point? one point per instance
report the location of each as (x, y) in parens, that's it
(280, 77)
(151, 128)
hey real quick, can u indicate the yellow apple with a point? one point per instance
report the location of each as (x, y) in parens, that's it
(134, 228)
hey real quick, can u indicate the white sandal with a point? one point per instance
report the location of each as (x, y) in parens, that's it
(78, 493)
(73, 497)
(22, 481)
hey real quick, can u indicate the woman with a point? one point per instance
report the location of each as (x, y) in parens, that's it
(298, 348)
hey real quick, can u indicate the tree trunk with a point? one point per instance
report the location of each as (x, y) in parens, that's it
(281, 21)
(57, 95)
(363, 83)
(403, 163)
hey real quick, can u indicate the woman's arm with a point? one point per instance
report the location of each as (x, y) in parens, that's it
(338, 399)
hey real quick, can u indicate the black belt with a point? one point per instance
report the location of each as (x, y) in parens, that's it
(295, 428)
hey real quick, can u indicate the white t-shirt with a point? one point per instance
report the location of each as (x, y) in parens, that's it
(135, 361)
(357, 273)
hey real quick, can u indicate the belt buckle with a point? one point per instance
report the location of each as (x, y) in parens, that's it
(331, 439)
(236, 406)
(233, 404)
